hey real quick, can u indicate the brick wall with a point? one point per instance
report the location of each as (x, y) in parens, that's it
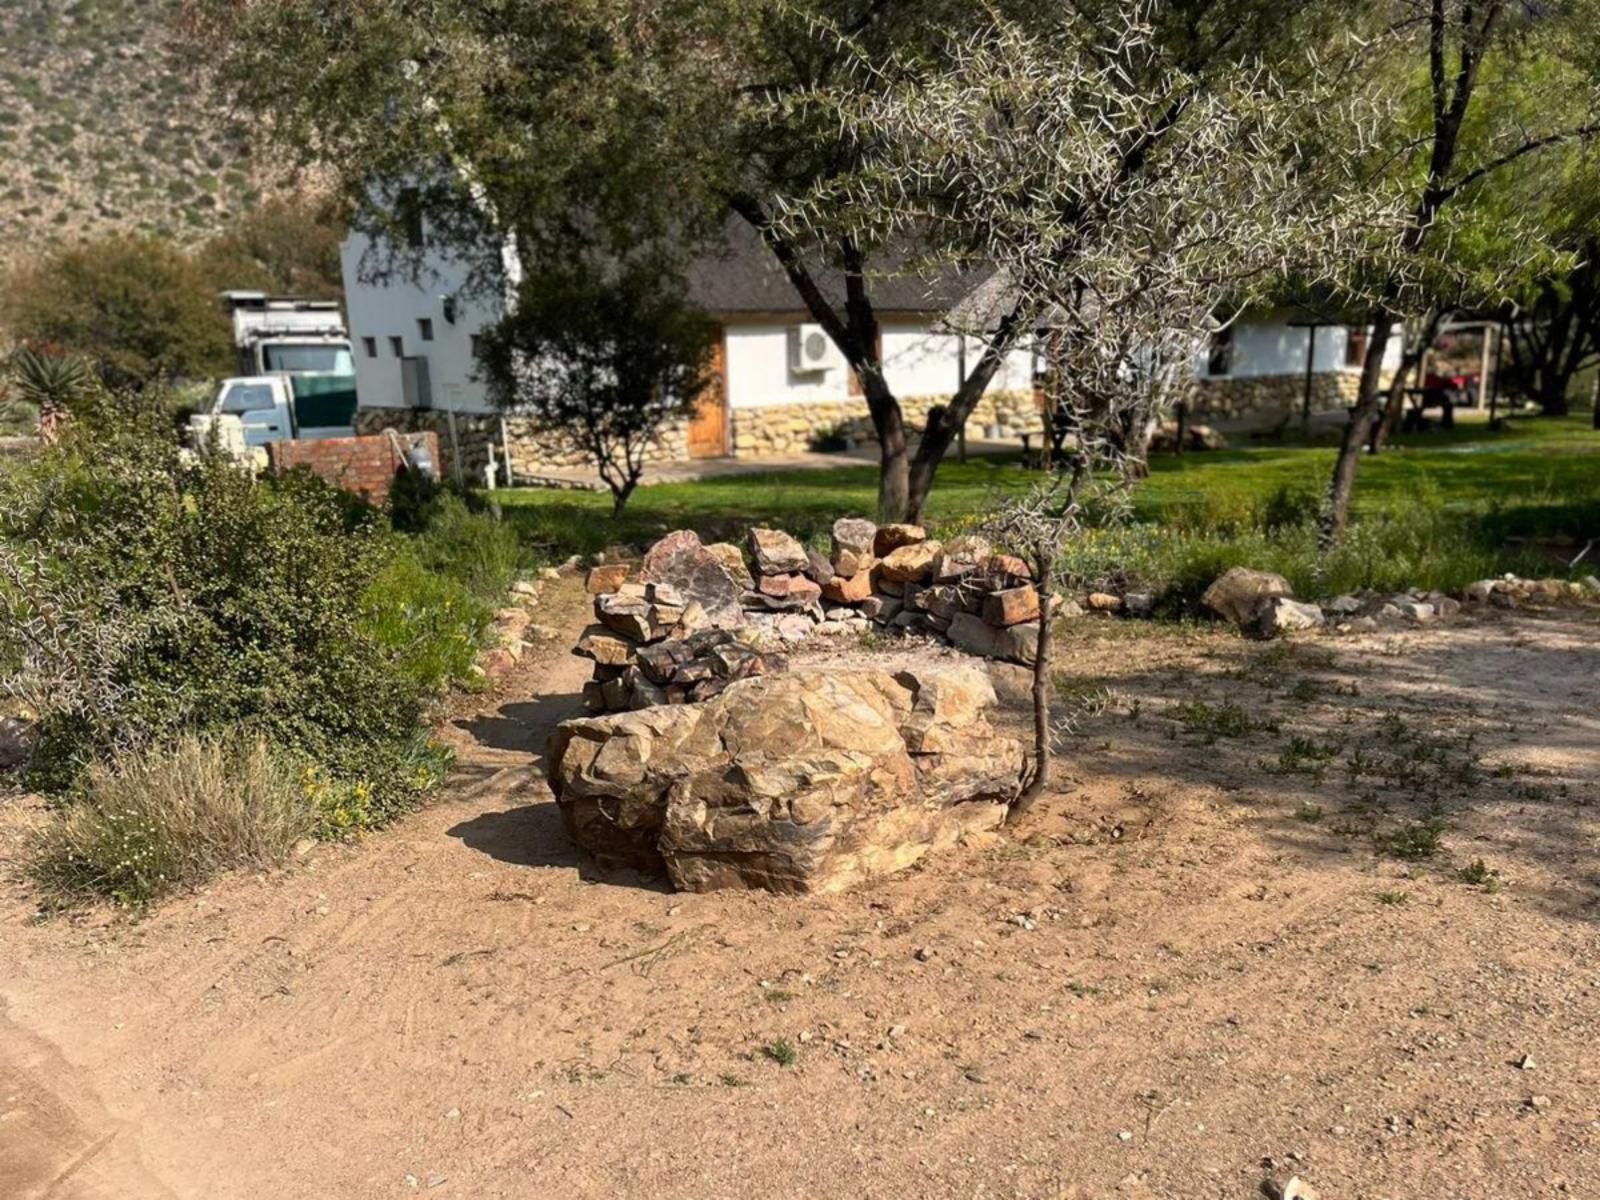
(364, 465)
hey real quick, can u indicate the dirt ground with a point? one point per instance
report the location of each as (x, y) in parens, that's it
(1204, 960)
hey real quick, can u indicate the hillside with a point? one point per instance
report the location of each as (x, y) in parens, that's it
(103, 127)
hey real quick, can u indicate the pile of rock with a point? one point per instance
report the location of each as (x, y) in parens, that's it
(807, 781)
(698, 617)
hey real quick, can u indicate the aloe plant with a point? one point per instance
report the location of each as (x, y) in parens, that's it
(51, 383)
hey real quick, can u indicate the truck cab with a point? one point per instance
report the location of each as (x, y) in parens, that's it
(303, 346)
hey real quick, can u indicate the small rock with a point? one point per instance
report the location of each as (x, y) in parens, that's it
(303, 846)
(1364, 625)
(1280, 615)
(1416, 610)
(1139, 604)
(890, 538)
(607, 578)
(1106, 602)
(776, 552)
(924, 953)
(549, 574)
(1539, 1103)
(1481, 590)
(453, 1115)
(1124, 1135)
(1525, 1063)
(1342, 606)
(581, 927)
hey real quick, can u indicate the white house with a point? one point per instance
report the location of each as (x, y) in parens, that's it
(780, 384)
(1265, 361)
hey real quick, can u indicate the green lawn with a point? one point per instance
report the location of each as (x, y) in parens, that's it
(1434, 510)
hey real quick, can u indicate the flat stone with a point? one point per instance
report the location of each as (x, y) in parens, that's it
(798, 588)
(603, 646)
(890, 538)
(776, 552)
(1106, 602)
(1010, 606)
(909, 564)
(699, 575)
(1416, 610)
(1342, 606)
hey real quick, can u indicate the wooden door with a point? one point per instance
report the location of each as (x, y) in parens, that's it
(708, 427)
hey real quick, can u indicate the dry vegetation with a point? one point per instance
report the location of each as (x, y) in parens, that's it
(102, 128)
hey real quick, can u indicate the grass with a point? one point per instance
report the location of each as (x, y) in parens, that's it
(1213, 721)
(1436, 510)
(162, 820)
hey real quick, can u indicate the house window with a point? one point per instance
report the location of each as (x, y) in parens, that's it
(1219, 360)
(477, 345)
(1355, 347)
(425, 329)
(370, 345)
(397, 347)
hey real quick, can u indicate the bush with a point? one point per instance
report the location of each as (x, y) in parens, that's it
(163, 819)
(136, 306)
(146, 596)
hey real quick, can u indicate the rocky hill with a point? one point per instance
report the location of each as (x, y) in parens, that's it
(103, 126)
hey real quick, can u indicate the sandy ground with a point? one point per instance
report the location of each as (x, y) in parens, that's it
(1197, 964)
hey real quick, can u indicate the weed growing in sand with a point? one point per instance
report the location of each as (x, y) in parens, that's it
(1309, 813)
(1214, 721)
(1480, 874)
(1394, 899)
(777, 996)
(1306, 756)
(782, 1052)
(1415, 841)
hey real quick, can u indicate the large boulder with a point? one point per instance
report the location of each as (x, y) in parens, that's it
(801, 782)
(1238, 594)
(699, 575)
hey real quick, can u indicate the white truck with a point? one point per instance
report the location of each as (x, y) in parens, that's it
(297, 377)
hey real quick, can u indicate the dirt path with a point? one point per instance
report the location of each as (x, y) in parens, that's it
(1192, 963)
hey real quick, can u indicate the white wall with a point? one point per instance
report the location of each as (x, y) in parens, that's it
(757, 359)
(1269, 345)
(917, 362)
(391, 309)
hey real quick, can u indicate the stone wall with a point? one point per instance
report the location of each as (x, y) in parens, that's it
(534, 451)
(1237, 396)
(792, 428)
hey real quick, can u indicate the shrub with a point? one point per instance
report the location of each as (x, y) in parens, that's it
(136, 306)
(145, 596)
(473, 548)
(162, 819)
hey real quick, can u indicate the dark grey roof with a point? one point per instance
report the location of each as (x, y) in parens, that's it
(743, 276)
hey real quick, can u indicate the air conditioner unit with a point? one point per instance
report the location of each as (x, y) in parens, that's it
(811, 349)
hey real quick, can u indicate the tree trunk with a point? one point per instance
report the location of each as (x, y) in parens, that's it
(894, 469)
(1369, 407)
(1040, 778)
